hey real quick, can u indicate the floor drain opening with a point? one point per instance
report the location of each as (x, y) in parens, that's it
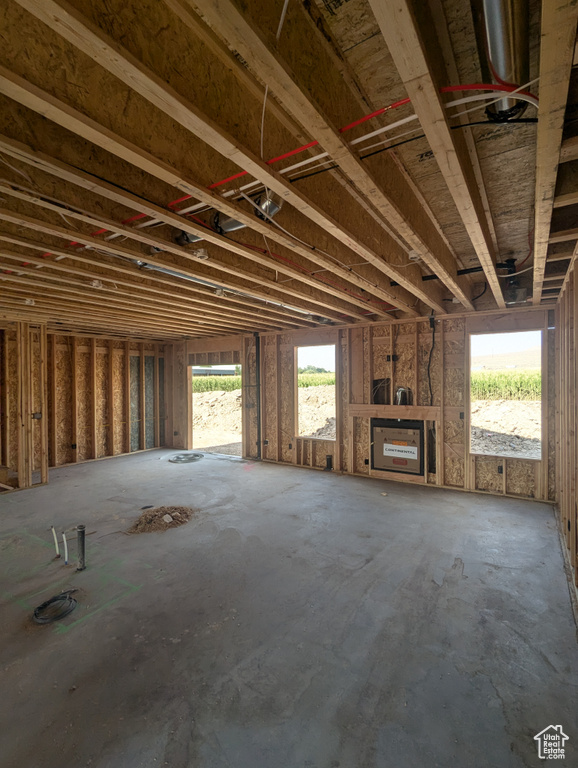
(185, 458)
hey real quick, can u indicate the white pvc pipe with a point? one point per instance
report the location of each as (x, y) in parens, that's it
(65, 548)
(55, 541)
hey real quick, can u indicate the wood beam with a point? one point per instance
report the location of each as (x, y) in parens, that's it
(558, 34)
(241, 35)
(200, 271)
(145, 237)
(103, 303)
(89, 182)
(13, 305)
(40, 101)
(136, 293)
(560, 257)
(82, 326)
(155, 283)
(400, 31)
(66, 21)
(569, 150)
(562, 236)
(44, 280)
(569, 198)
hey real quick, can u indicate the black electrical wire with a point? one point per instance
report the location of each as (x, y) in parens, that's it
(415, 138)
(479, 296)
(56, 608)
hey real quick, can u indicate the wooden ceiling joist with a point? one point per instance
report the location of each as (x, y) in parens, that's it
(239, 34)
(556, 55)
(569, 150)
(65, 172)
(250, 284)
(137, 291)
(61, 310)
(109, 290)
(79, 31)
(562, 236)
(80, 326)
(48, 287)
(568, 198)
(401, 34)
(159, 284)
(146, 237)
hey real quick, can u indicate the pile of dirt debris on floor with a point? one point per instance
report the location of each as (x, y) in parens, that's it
(161, 519)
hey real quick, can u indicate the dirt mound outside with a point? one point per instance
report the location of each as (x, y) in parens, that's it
(154, 519)
(317, 411)
(506, 428)
(217, 418)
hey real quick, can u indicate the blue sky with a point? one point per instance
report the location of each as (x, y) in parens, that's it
(498, 343)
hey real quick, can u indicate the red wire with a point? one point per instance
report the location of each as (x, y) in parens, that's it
(446, 89)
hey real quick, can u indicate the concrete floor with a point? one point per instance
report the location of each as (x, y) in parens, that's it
(299, 620)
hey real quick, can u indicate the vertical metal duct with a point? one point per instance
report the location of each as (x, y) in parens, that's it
(502, 35)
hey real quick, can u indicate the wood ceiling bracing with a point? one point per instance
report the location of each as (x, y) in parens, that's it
(109, 111)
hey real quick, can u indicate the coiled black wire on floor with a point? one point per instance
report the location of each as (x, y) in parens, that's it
(56, 608)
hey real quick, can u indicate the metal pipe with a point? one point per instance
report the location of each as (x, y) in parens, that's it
(81, 546)
(502, 34)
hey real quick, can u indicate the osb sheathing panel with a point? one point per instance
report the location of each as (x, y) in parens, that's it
(135, 402)
(404, 369)
(381, 346)
(358, 360)
(454, 432)
(453, 469)
(521, 477)
(119, 404)
(360, 445)
(287, 373)
(269, 387)
(102, 405)
(12, 382)
(149, 409)
(322, 449)
(424, 347)
(84, 406)
(551, 336)
(250, 399)
(63, 387)
(36, 399)
(488, 477)
(345, 426)
(454, 387)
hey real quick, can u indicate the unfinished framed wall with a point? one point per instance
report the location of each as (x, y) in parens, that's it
(397, 354)
(67, 399)
(23, 400)
(567, 415)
